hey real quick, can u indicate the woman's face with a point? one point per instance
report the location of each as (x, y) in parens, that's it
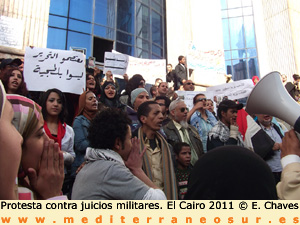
(53, 104)
(14, 81)
(210, 106)
(91, 103)
(90, 83)
(10, 152)
(110, 91)
(33, 147)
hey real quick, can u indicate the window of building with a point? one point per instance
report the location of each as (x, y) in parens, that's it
(239, 39)
(135, 27)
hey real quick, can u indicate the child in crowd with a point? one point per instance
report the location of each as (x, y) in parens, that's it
(184, 167)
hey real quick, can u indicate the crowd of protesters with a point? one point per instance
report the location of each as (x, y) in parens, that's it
(138, 145)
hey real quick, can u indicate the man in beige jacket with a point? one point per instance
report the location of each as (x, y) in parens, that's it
(289, 186)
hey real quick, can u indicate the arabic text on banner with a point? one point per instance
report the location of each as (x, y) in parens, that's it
(235, 90)
(51, 68)
(120, 64)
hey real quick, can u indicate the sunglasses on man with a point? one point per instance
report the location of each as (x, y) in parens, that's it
(201, 99)
(183, 109)
(190, 83)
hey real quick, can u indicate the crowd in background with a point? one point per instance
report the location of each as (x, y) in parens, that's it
(119, 141)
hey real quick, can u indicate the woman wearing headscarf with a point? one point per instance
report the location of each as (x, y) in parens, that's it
(88, 108)
(231, 173)
(41, 170)
(10, 151)
(109, 96)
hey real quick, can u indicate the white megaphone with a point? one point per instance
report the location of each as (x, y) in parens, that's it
(269, 96)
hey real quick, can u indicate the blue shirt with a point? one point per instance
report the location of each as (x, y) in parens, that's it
(203, 126)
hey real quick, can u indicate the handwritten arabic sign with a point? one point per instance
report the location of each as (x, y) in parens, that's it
(11, 32)
(210, 60)
(115, 62)
(150, 69)
(120, 64)
(208, 65)
(235, 90)
(51, 68)
(188, 96)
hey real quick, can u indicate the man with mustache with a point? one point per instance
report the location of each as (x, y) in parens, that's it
(226, 131)
(178, 130)
(158, 159)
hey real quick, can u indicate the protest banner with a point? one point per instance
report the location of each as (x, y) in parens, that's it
(51, 68)
(120, 64)
(11, 32)
(115, 62)
(150, 69)
(188, 96)
(235, 90)
(208, 64)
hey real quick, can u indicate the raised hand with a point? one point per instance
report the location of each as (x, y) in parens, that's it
(47, 182)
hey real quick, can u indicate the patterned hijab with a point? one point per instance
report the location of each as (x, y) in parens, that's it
(27, 114)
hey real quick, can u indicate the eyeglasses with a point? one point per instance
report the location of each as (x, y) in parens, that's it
(190, 83)
(183, 109)
(161, 104)
(201, 99)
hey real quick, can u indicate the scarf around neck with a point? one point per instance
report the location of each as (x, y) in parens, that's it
(61, 131)
(169, 177)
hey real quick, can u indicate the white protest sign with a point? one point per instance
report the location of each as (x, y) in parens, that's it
(150, 69)
(51, 68)
(189, 95)
(208, 64)
(11, 32)
(115, 62)
(234, 90)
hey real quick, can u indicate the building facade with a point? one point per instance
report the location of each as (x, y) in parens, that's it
(133, 27)
(258, 36)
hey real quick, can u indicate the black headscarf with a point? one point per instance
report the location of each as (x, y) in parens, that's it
(231, 173)
(111, 103)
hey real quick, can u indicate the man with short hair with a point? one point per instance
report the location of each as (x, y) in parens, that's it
(164, 103)
(189, 85)
(181, 70)
(158, 160)
(113, 169)
(226, 130)
(273, 157)
(172, 77)
(178, 130)
(162, 89)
